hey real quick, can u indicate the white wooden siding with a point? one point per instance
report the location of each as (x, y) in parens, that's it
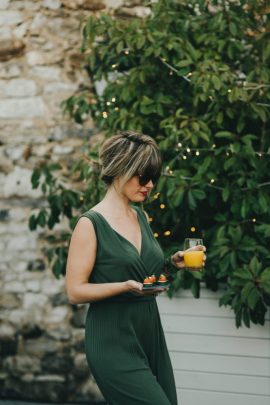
(214, 362)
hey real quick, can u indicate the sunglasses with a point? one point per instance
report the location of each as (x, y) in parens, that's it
(144, 179)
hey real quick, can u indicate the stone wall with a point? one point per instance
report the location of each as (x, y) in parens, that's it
(41, 334)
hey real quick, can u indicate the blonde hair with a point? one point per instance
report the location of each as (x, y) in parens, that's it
(129, 154)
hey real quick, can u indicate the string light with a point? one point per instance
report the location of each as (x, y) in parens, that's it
(156, 235)
(126, 52)
(156, 195)
(197, 153)
(105, 114)
(171, 73)
(114, 66)
(184, 157)
(229, 91)
(253, 219)
(108, 103)
(193, 229)
(113, 99)
(116, 109)
(179, 145)
(212, 181)
(162, 206)
(150, 219)
(167, 233)
(188, 150)
(214, 146)
(81, 198)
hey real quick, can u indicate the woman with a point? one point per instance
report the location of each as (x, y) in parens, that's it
(112, 250)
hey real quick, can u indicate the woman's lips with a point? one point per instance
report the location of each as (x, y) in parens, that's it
(144, 193)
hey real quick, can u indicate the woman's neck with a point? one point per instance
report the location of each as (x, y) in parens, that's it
(116, 201)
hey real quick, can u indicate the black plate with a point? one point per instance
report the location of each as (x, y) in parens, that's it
(156, 287)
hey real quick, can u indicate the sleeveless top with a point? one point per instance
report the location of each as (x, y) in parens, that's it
(118, 260)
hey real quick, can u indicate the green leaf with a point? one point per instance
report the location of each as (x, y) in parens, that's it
(224, 134)
(253, 298)
(191, 200)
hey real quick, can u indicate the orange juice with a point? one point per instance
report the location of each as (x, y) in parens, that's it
(193, 259)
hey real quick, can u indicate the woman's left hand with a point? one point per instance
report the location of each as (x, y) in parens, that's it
(178, 257)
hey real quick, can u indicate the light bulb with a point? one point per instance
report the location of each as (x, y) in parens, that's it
(156, 235)
(197, 153)
(193, 229)
(167, 233)
(162, 206)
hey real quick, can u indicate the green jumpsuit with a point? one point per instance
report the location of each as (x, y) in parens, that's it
(124, 340)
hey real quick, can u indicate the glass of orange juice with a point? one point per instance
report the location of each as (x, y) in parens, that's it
(193, 259)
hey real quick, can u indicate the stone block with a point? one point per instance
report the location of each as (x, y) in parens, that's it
(26, 5)
(35, 58)
(139, 11)
(46, 72)
(60, 87)
(9, 301)
(52, 4)
(11, 48)
(36, 301)
(52, 286)
(9, 71)
(20, 88)
(14, 287)
(4, 4)
(21, 30)
(19, 266)
(18, 183)
(30, 107)
(22, 242)
(38, 22)
(14, 153)
(5, 33)
(56, 363)
(61, 333)
(32, 286)
(41, 346)
(93, 5)
(7, 331)
(10, 17)
(63, 150)
(18, 214)
(57, 315)
(21, 364)
(81, 368)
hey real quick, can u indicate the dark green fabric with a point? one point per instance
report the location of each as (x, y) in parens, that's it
(124, 340)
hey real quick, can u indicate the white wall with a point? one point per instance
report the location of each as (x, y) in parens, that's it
(214, 362)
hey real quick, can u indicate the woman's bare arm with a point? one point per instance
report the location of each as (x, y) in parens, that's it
(80, 263)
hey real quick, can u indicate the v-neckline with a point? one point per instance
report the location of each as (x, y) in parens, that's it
(139, 252)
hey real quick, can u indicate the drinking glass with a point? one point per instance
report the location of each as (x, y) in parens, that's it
(193, 259)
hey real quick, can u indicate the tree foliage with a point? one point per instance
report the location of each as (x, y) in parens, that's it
(195, 76)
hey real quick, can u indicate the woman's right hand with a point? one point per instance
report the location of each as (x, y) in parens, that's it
(136, 287)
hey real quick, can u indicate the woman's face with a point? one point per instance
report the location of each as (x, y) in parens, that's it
(132, 189)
